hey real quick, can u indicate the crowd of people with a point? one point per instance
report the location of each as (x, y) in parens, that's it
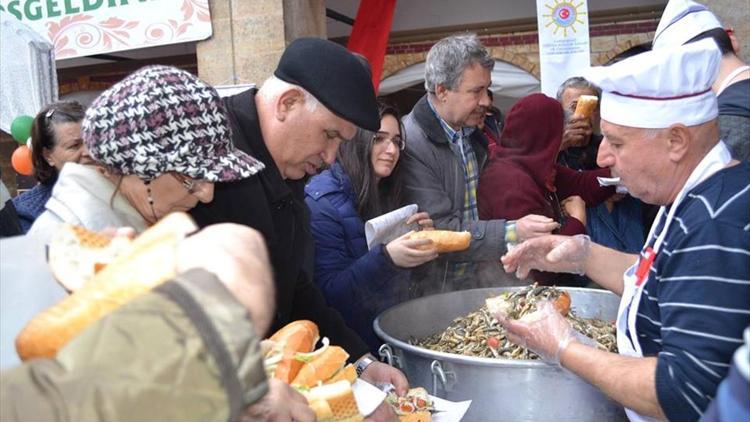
(282, 178)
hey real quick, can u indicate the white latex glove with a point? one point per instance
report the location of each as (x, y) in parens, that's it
(533, 225)
(560, 254)
(545, 332)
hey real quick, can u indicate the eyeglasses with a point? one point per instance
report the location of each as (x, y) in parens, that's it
(189, 184)
(397, 140)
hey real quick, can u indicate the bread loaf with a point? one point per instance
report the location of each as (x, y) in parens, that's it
(75, 254)
(340, 399)
(147, 262)
(322, 367)
(296, 337)
(585, 106)
(445, 240)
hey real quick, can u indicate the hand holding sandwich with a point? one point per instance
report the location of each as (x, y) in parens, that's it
(282, 404)
(545, 332)
(577, 132)
(406, 252)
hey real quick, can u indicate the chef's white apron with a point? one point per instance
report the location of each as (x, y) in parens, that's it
(636, 276)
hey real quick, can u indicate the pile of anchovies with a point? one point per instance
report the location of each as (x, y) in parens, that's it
(479, 334)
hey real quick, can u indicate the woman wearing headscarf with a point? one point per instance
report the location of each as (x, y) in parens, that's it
(522, 177)
(363, 183)
(55, 140)
(159, 139)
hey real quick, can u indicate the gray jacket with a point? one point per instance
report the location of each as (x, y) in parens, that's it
(434, 180)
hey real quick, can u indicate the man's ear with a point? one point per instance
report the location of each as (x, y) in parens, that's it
(680, 140)
(441, 92)
(287, 102)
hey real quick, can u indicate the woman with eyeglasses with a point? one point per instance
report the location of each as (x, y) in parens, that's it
(159, 139)
(55, 140)
(363, 183)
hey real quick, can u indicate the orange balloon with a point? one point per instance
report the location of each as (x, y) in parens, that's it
(21, 161)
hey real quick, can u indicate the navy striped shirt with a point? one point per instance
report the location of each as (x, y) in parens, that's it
(696, 302)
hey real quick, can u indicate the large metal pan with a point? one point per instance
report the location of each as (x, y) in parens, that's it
(501, 389)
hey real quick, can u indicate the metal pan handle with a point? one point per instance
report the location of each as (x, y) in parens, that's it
(387, 356)
(437, 374)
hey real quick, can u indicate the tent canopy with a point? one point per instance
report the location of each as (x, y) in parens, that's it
(509, 82)
(28, 78)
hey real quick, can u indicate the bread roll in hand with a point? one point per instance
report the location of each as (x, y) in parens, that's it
(445, 240)
(149, 261)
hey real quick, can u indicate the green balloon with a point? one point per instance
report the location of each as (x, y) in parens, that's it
(20, 128)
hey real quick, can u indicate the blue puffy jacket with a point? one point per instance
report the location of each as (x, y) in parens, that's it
(357, 282)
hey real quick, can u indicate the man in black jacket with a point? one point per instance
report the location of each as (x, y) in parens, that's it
(294, 124)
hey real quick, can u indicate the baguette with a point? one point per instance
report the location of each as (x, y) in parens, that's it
(445, 240)
(323, 411)
(340, 399)
(75, 254)
(149, 261)
(322, 367)
(500, 304)
(347, 373)
(585, 106)
(295, 337)
(422, 416)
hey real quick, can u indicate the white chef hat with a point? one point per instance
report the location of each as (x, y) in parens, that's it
(681, 21)
(657, 89)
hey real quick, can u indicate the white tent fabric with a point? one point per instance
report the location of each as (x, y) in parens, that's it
(509, 82)
(28, 77)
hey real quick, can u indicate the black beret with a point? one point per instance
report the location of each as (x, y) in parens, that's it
(334, 76)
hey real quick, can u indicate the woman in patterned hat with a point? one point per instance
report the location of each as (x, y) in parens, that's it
(159, 140)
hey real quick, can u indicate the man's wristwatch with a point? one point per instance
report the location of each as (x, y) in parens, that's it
(363, 363)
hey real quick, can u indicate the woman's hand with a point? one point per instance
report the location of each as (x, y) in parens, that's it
(422, 219)
(532, 225)
(575, 207)
(408, 253)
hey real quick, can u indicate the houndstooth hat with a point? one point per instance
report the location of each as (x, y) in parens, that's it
(161, 119)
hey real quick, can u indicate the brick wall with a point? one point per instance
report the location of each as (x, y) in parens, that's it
(522, 48)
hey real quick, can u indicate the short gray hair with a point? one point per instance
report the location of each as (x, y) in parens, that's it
(448, 58)
(273, 87)
(579, 83)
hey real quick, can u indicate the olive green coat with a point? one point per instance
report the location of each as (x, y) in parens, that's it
(148, 362)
